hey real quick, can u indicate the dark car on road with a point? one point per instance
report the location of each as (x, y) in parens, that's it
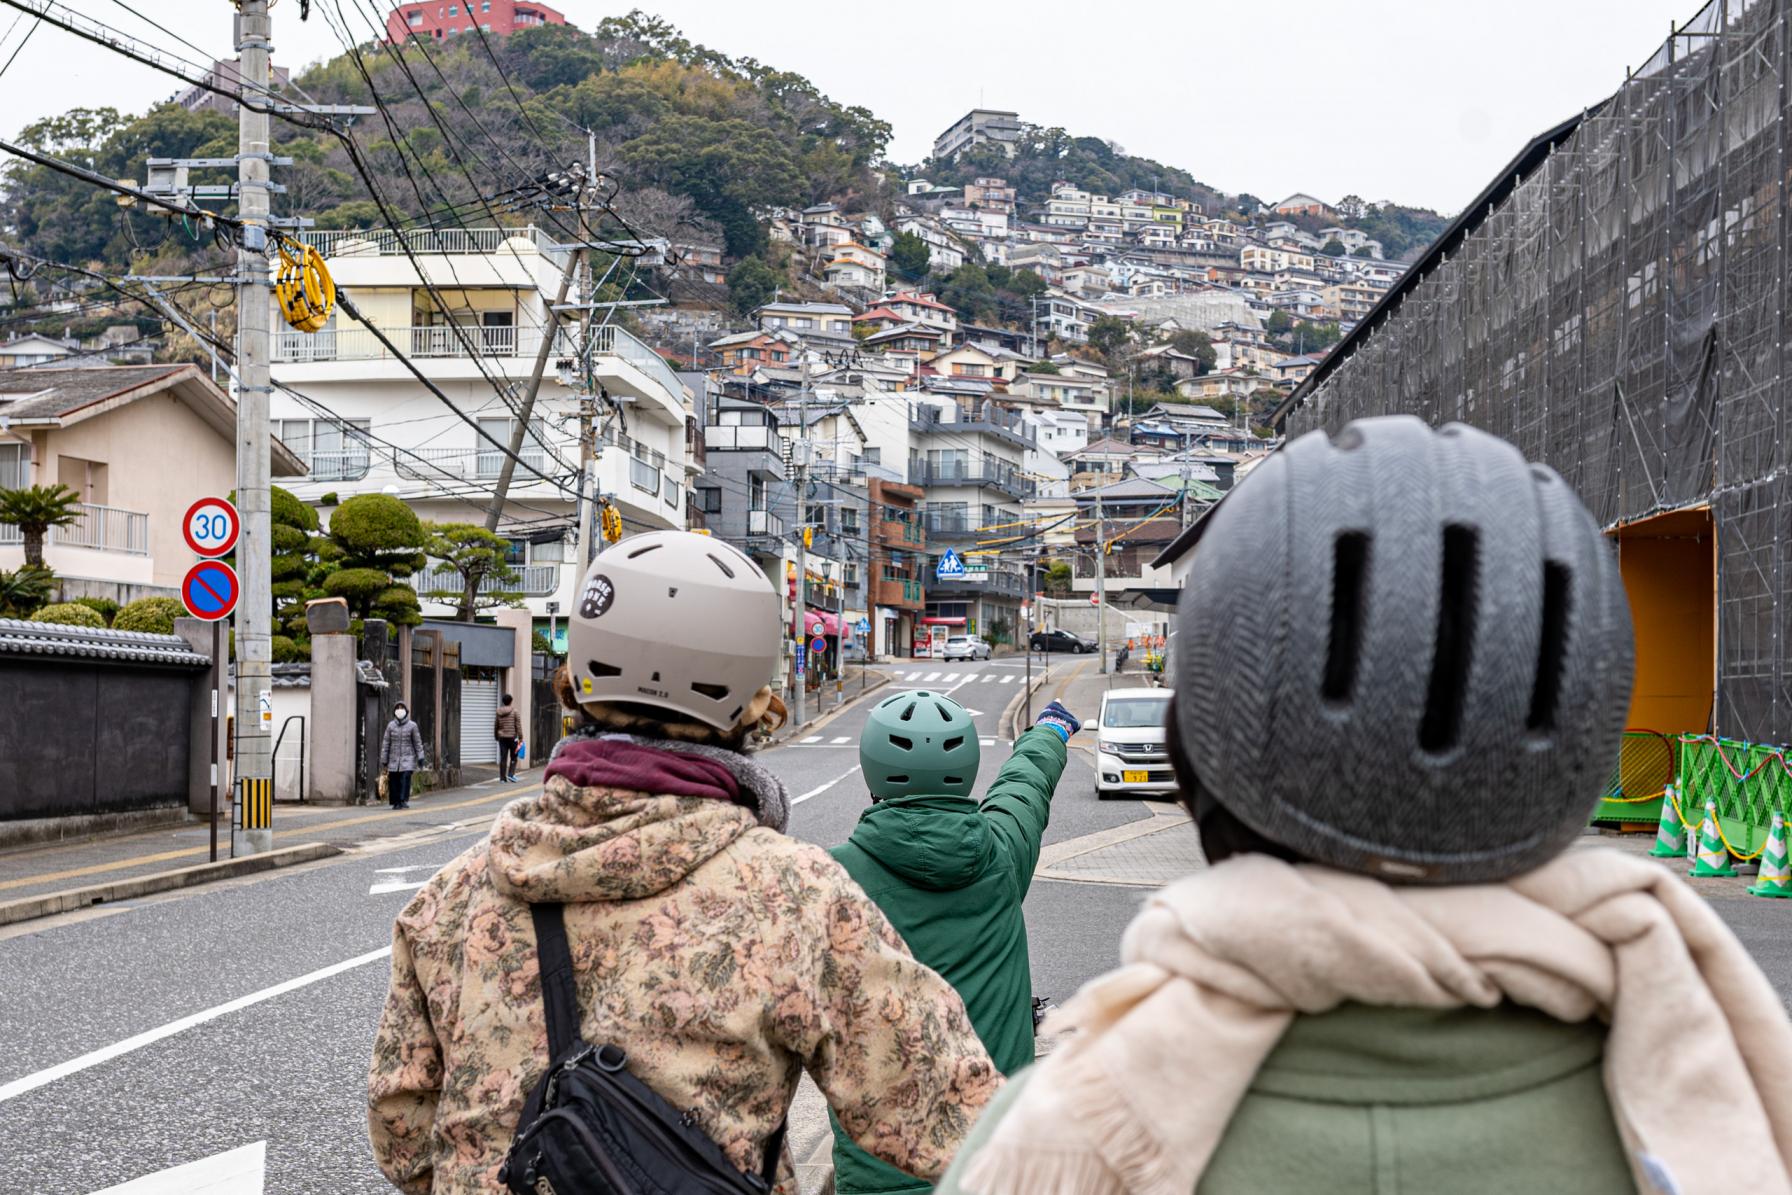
(1056, 640)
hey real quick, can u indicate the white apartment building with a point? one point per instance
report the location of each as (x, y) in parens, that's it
(470, 313)
(971, 460)
(978, 126)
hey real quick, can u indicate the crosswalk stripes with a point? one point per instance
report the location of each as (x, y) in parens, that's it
(814, 738)
(933, 676)
(845, 738)
(1007, 678)
(987, 677)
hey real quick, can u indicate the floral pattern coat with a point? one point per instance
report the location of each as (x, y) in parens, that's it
(722, 956)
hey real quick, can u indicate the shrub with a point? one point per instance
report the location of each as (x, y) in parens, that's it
(155, 615)
(106, 608)
(70, 614)
(286, 650)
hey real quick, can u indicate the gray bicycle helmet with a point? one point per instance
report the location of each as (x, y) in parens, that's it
(1404, 652)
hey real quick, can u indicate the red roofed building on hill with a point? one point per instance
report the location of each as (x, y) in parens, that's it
(442, 19)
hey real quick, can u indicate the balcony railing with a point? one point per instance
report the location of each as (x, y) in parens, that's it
(99, 528)
(532, 580)
(351, 465)
(995, 474)
(721, 437)
(1002, 584)
(386, 242)
(611, 341)
(422, 341)
(432, 464)
(764, 522)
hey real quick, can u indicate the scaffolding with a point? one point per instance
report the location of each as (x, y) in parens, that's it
(1619, 313)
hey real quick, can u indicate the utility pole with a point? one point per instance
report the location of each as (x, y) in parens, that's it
(1101, 584)
(799, 618)
(254, 316)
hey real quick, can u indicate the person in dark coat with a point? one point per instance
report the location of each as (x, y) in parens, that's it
(401, 753)
(508, 728)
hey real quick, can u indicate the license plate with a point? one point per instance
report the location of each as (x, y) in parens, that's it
(1135, 776)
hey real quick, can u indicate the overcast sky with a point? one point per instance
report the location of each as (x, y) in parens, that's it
(1418, 101)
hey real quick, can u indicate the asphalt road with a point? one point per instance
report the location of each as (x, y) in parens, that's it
(146, 1035)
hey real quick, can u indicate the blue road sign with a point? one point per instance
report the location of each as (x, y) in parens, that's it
(799, 659)
(209, 590)
(818, 645)
(950, 566)
(864, 626)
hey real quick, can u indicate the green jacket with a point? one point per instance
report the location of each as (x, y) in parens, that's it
(951, 876)
(1365, 1101)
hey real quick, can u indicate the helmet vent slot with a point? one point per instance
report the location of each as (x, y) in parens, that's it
(713, 692)
(1350, 568)
(910, 711)
(1453, 652)
(907, 744)
(726, 571)
(953, 779)
(903, 779)
(944, 712)
(642, 551)
(597, 669)
(953, 743)
(1552, 647)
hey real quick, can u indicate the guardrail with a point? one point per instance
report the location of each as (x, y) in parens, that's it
(764, 522)
(417, 341)
(99, 528)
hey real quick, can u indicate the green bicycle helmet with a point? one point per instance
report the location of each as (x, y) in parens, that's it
(919, 742)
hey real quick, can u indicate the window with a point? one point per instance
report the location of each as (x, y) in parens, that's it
(335, 450)
(873, 456)
(552, 552)
(12, 466)
(489, 459)
(709, 499)
(454, 10)
(486, 6)
(517, 554)
(415, 18)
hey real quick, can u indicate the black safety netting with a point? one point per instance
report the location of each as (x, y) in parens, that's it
(1622, 316)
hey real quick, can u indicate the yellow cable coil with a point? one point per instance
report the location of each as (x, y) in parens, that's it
(304, 289)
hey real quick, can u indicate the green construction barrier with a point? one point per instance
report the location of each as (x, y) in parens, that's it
(1748, 782)
(1646, 763)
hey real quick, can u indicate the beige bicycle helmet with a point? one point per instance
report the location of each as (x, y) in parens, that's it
(681, 622)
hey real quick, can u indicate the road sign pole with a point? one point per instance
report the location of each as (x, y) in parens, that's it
(220, 644)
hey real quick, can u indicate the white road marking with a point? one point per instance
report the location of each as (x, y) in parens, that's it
(1007, 678)
(240, 1171)
(814, 738)
(398, 871)
(92, 1058)
(986, 742)
(987, 677)
(911, 676)
(933, 676)
(845, 738)
(384, 886)
(816, 792)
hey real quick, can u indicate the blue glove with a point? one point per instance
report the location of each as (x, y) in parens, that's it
(1059, 719)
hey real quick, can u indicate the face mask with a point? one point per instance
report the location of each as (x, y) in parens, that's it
(401, 713)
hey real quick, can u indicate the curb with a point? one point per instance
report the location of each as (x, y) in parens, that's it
(790, 729)
(51, 903)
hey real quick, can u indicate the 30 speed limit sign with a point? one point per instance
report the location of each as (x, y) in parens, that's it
(211, 526)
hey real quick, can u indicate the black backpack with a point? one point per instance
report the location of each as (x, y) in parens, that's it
(591, 1128)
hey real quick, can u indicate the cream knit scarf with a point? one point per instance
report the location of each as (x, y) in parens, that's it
(1698, 1062)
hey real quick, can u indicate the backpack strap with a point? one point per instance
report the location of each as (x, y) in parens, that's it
(774, 1149)
(558, 991)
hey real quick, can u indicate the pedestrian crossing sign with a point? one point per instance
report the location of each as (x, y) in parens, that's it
(950, 566)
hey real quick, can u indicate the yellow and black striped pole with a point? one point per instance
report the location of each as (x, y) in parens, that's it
(256, 797)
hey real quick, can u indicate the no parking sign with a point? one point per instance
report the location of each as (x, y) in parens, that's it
(209, 590)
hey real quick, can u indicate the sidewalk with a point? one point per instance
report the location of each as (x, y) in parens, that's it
(122, 866)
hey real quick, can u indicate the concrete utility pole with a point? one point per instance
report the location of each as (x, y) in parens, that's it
(1101, 583)
(799, 463)
(254, 316)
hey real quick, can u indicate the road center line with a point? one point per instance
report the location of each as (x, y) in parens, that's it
(94, 1058)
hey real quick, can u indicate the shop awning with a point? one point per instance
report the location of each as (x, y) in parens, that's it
(822, 623)
(942, 622)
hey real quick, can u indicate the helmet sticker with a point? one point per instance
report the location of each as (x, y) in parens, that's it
(599, 593)
(585, 685)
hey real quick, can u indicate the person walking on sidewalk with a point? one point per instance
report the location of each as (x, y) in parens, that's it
(509, 730)
(951, 873)
(1397, 974)
(719, 958)
(401, 753)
